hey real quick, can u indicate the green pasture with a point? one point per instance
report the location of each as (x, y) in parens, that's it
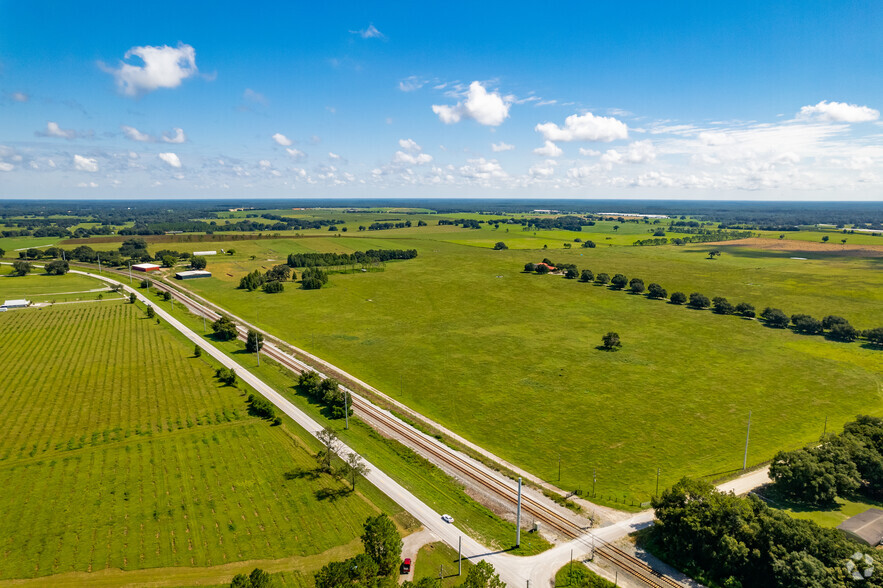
(122, 452)
(842, 509)
(462, 335)
(589, 579)
(36, 285)
(834, 237)
(11, 244)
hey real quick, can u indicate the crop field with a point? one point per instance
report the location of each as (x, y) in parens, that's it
(431, 331)
(121, 451)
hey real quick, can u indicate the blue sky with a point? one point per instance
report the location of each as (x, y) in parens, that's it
(750, 100)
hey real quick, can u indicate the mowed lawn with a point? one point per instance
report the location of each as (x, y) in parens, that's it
(510, 361)
(120, 450)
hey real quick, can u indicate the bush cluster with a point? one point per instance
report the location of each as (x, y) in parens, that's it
(327, 392)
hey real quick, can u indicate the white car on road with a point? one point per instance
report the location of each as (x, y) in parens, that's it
(447, 518)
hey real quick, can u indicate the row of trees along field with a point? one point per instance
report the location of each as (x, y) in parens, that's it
(724, 540)
(327, 392)
(131, 250)
(833, 327)
(53, 268)
(378, 566)
(842, 465)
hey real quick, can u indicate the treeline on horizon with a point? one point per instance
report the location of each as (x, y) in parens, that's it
(777, 215)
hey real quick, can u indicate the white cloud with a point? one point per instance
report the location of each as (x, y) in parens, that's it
(410, 145)
(637, 152)
(87, 185)
(412, 159)
(501, 146)
(136, 135)
(162, 67)
(282, 139)
(86, 164)
(550, 149)
(485, 108)
(170, 158)
(264, 163)
(586, 127)
(53, 130)
(179, 136)
(6, 166)
(482, 169)
(411, 84)
(588, 152)
(333, 155)
(296, 153)
(370, 33)
(20, 97)
(839, 112)
(543, 170)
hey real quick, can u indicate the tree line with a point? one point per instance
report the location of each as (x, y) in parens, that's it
(724, 540)
(832, 327)
(841, 465)
(296, 260)
(326, 392)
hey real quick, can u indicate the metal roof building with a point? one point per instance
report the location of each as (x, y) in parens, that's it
(866, 527)
(191, 274)
(16, 303)
(145, 267)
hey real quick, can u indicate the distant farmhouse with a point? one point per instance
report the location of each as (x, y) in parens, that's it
(145, 267)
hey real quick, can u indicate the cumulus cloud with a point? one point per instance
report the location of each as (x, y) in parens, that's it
(160, 67)
(586, 127)
(178, 137)
(281, 139)
(296, 153)
(136, 135)
(501, 146)
(264, 164)
(543, 170)
(409, 145)
(550, 149)
(482, 169)
(637, 152)
(412, 158)
(588, 152)
(839, 112)
(370, 33)
(53, 130)
(4, 166)
(489, 109)
(170, 158)
(86, 164)
(333, 155)
(20, 97)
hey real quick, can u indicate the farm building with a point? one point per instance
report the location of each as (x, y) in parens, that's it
(145, 267)
(191, 274)
(205, 253)
(552, 268)
(16, 304)
(866, 527)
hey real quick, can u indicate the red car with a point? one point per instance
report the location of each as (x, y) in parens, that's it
(406, 566)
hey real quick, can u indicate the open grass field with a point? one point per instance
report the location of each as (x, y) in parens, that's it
(830, 517)
(432, 330)
(36, 285)
(122, 452)
(461, 334)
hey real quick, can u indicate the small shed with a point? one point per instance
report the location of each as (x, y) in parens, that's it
(145, 267)
(202, 253)
(191, 274)
(16, 304)
(866, 528)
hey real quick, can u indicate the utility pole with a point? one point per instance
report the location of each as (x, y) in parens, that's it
(825, 430)
(99, 263)
(747, 435)
(657, 481)
(460, 556)
(559, 467)
(130, 273)
(518, 517)
(346, 410)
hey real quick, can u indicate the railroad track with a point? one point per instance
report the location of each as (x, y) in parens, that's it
(564, 526)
